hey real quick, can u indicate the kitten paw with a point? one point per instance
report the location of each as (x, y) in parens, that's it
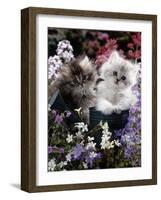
(117, 110)
(104, 106)
(107, 111)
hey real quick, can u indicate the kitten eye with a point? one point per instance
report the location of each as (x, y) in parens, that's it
(84, 77)
(115, 73)
(71, 84)
(88, 77)
(123, 78)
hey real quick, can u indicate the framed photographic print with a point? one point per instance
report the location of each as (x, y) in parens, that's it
(89, 99)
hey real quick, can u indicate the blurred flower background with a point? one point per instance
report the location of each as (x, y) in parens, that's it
(74, 148)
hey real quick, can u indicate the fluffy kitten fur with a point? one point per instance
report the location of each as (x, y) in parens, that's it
(77, 83)
(114, 94)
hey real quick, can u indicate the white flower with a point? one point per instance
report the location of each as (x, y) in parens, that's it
(61, 164)
(69, 138)
(101, 123)
(51, 165)
(92, 154)
(68, 157)
(90, 139)
(85, 165)
(85, 128)
(105, 126)
(90, 145)
(78, 110)
(49, 107)
(79, 135)
(65, 163)
(106, 133)
(81, 126)
(106, 144)
(117, 143)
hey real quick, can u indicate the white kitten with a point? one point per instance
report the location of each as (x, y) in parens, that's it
(114, 94)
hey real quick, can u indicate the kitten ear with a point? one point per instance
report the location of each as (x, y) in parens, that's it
(84, 61)
(114, 57)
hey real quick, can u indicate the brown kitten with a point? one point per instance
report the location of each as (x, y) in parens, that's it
(77, 83)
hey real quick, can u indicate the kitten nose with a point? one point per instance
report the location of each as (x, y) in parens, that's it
(117, 80)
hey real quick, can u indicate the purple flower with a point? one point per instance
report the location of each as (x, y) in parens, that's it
(59, 150)
(77, 151)
(58, 119)
(127, 152)
(54, 113)
(138, 126)
(55, 149)
(119, 132)
(50, 149)
(91, 157)
(67, 113)
(130, 136)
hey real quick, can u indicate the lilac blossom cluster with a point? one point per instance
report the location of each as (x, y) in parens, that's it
(64, 55)
(54, 64)
(130, 135)
(65, 51)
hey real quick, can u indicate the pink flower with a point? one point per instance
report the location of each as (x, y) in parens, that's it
(103, 36)
(137, 54)
(131, 54)
(137, 39)
(130, 45)
(100, 60)
(134, 54)
(112, 44)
